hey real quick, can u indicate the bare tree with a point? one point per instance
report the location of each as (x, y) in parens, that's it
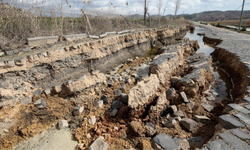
(145, 4)
(159, 7)
(177, 7)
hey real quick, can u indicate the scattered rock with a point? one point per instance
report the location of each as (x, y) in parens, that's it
(207, 107)
(26, 100)
(117, 92)
(110, 82)
(210, 98)
(179, 113)
(77, 111)
(150, 129)
(38, 92)
(88, 136)
(184, 144)
(40, 103)
(128, 70)
(190, 105)
(63, 124)
(202, 119)
(145, 145)
(47, 92)
(184, 97)
(173, 109)
(5, 130)
(166, 142)
(1, 104)
(127, 79)
(170, 93)
(124, 98)
(215, 93)
(98, 103)
(122, 88)
(189, 124)
(196, 142)
(171, 123)
(92, 120)
(104, 98)
(137, 128)
(116, 104)
(113, 112)
(99, 144)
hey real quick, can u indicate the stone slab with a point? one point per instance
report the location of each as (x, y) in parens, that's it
(189, 124)
(234, 142)
(218, 145)
(239, 108)
(241, 134)
(229, 122)
(243, 118)
(166, 142)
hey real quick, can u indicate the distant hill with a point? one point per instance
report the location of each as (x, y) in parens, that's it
(205, 16)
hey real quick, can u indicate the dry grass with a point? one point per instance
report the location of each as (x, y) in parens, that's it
(20, 20)
(245, 22)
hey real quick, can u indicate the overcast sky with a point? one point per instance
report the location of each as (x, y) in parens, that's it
(135, 7)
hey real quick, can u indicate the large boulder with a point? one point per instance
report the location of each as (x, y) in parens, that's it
(143, 91)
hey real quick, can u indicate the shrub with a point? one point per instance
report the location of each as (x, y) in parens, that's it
(244, 28)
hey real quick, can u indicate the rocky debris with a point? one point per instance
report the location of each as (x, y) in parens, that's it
(189, 124)
(140, 94)
(127, 79)
(170, 93)
(206, 106)
(104, 98)
(40, 104)
(63, 124)
(150, 129)
(229, 122)
(166, 142)
(233, 141)
(210, 98)
(170, 124)
(122, 88)
(145, 145)
(218, 144)
(202, 119)
(137, 128)
(196, 142)
(92, 120)
(83, 82)
(57, 89)
(113, 112)
(98, 103)
(99, 144)
(1, 104)
(143, 71)
(47, 92)
(184, 144)
(190, 105)
(27, 100)
(116, 104)
(117, 92)
(110, 82)
(184, 97)
(241, 134)
(38, 92)
(78, 111)
(173, 109)
(179, 113)
(124, 98)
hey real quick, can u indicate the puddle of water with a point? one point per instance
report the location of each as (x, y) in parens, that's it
(222, 84)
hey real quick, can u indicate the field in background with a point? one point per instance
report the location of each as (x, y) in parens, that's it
(22, 20)
(245, 22)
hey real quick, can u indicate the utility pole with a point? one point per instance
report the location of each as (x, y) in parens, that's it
(241, 13)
